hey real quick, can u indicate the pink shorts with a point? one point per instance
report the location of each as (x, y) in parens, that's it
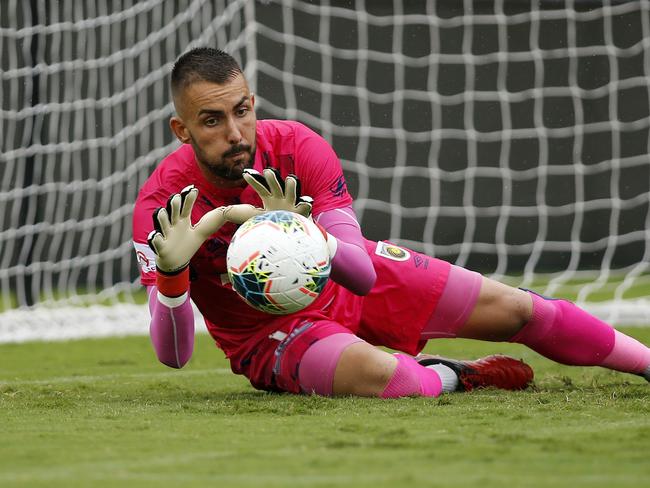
(455, 305)
(271, 359)
(407, 291)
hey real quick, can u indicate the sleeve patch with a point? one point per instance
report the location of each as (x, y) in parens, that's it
(146, 257)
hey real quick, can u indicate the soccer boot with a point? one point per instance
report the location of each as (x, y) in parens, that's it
(496, 371)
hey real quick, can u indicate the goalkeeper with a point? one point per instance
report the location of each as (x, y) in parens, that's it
(230, 167)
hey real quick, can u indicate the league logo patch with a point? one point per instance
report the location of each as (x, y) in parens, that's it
(392, 251)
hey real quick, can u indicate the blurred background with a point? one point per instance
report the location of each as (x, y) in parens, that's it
(509, 137)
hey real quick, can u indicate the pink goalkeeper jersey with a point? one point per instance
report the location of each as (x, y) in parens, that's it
(293, 149)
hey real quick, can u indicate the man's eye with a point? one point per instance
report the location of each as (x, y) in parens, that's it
(210, 122)
(242, 111)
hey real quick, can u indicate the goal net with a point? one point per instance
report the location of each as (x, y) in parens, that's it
(506, 137)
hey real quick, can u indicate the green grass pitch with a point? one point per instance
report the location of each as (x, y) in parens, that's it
(104, 413)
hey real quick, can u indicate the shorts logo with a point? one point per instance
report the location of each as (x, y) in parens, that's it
(420, 261)
(391, 251)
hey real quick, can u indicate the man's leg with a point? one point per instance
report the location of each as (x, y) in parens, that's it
(557, 329)
(325, 358)
(342, 364)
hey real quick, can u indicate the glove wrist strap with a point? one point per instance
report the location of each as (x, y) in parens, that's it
(173, 284)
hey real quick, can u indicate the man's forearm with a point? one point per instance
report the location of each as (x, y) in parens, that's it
(351, 265)
(171, 328)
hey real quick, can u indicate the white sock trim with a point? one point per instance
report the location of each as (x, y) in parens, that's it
(172, 302)
(447, 375)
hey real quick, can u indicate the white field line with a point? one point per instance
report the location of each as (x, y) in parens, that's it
(115, 376)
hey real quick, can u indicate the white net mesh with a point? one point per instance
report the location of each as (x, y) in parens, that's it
(508, 138)
(85, 108)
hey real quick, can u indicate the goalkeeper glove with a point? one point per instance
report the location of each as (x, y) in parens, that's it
(277, 194)
(175, 240)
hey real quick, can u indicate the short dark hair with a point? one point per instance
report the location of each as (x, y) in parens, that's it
(203, 64)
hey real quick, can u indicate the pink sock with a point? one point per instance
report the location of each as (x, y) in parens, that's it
(410, 378)
(567, 334)
(628, 355)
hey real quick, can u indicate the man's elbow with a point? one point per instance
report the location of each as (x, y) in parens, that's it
(367, 283)
(360, 283)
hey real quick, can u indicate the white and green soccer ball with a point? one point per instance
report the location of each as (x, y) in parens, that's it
(278, 262)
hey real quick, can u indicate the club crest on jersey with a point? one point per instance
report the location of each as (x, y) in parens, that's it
(392, 251)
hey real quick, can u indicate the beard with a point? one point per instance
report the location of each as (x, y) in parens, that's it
(231, 170)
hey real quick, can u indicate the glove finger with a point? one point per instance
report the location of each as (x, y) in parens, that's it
(161, 221)
(174, 207)
(258, 182)
(210, 223)
(298, 186)
(275, 182)
(154, 217)
(238, 214)
(189, 194)
(291, 190)
(303, 208)
(154, 239)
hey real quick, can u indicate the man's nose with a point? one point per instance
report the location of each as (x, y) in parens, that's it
(234, 134)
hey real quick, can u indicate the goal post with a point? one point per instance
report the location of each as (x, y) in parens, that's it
(508, 137)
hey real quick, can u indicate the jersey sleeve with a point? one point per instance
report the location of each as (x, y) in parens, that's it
(320, 172)
(142, 226)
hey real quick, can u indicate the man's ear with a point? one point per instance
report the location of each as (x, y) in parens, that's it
(180, 131)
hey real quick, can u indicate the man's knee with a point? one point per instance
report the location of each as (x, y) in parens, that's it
(320, 361)
(516, 304)
(501, 311)
(343, 364)
(363, 370)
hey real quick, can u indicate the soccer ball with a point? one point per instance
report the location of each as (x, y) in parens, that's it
(278, 262)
